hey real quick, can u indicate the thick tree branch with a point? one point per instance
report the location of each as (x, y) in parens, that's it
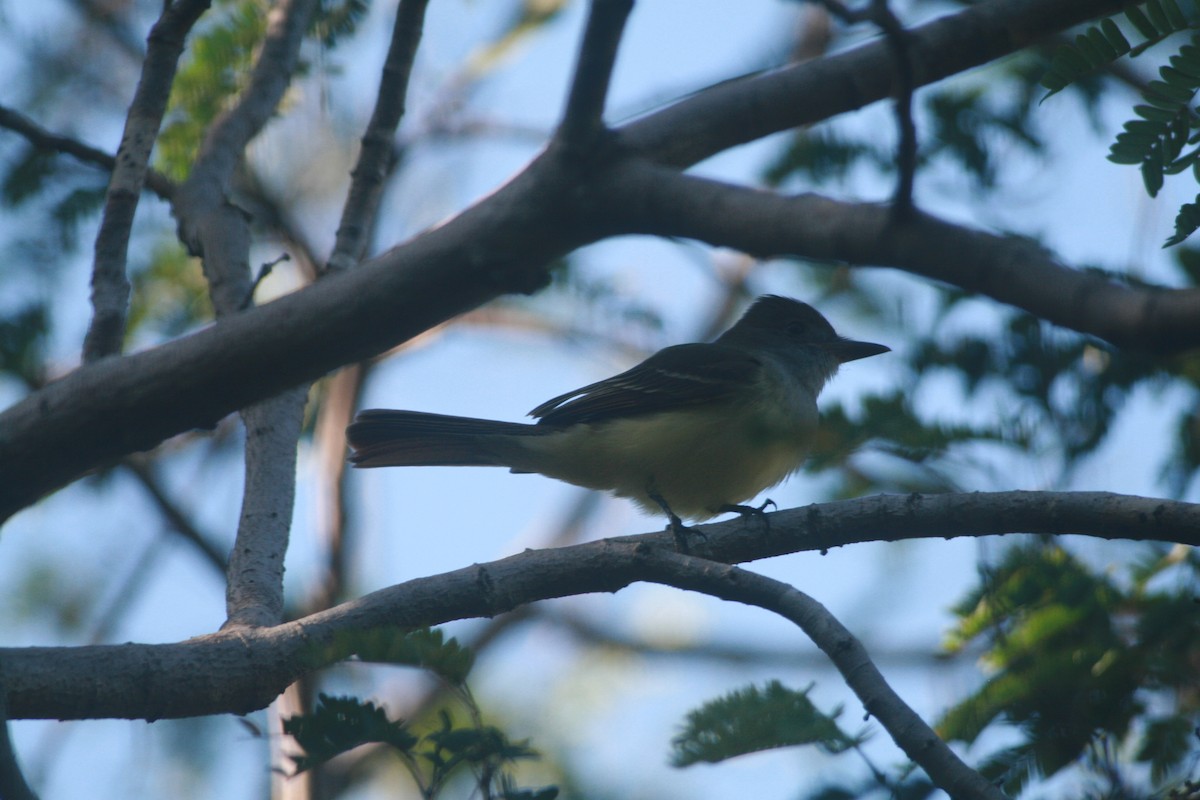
(213, 228)
(583, 117)
(110, 284)
(1010, 269)
(503, 244)
(245, 669)
(739, 111)
(907, 729)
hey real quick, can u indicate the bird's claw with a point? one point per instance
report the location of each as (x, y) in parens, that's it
(678, 530)
(752, 511)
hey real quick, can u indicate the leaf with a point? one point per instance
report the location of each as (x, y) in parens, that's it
(339, 724)
(1166, 743)
(426, 648)
(751, 720)
(27, 176)
(22, 343)
(1186, 222)
(1140, 21)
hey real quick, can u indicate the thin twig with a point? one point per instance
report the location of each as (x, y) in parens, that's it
(904, 725)
(43, 139)
(177, 520)
(378, 155)
(583, 117)
(110, 284)
(896, 37)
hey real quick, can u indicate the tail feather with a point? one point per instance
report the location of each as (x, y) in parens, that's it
(384, 438)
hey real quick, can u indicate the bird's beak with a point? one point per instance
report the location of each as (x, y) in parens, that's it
(849, 350)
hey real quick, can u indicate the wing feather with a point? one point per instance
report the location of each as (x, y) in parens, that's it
(682, 376)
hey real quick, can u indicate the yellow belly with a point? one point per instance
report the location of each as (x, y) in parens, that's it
(697, 461)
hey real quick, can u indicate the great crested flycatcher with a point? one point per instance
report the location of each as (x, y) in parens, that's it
(695, 429)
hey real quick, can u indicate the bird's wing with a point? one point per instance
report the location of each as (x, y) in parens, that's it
(677, 377)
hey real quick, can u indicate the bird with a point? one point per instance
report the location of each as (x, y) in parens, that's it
(695, 430)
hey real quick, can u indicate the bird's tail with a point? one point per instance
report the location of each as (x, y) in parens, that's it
(383, 438)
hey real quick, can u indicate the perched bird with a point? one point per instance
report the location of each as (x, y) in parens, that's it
(694, 430)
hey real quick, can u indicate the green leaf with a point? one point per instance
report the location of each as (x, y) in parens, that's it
(27, 176)
(1186, 222)
(1112, 32)
(217, 64)
(1177, 78)
(1106, 50)
(1091, 51)
(339, 724)
(1139, 20)
(1158, 16)
(1154, 114)
(1152, 170)
(751, 720)
(22, 343)
(1174, 14)
(1176, 94)
(425, 648)
(1166, 743)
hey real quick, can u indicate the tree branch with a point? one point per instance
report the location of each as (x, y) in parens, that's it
(583, 117)
(242, 670)
(905, 726)
(174, 515)
(13, 785)
(213, 228)
(377, 157)
(43, 139)
(663, 202)
(906, 151)
(502, 244)
(739, 111)
(110, 285)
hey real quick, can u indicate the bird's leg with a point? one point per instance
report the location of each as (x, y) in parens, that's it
(752, 511)
(678, 529)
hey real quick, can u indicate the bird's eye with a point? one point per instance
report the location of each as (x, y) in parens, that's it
(796, 328)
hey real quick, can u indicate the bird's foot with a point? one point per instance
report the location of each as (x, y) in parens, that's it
(752, 511)
(679, 531)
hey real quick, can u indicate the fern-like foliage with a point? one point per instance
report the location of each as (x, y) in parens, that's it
(1083, 661)
(1164, 138)
(751, 719)
(1166, 124)
(1102, 44)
